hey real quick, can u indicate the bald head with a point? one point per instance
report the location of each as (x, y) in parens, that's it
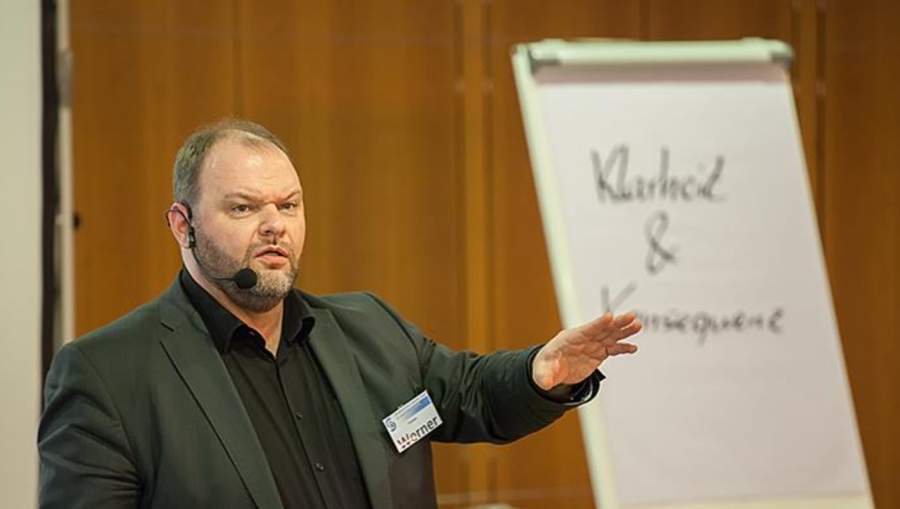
(193, 153)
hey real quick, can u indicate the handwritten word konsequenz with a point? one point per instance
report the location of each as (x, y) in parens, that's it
(614, 184)
(704, 324)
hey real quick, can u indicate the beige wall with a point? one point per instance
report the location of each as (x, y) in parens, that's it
(20, 249)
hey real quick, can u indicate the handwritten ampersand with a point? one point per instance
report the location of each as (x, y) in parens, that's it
(658, 255)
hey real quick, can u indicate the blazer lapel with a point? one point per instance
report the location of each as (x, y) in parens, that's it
(197, 361)
(329, 343)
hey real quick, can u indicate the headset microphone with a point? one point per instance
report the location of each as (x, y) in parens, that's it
(244, 279)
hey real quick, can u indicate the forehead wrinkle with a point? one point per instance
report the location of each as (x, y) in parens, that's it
(254, 195)
(219, 163)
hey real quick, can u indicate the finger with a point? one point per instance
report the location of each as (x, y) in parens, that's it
(597, 350)
(598, 326)
(612, 337)
(621, 348)
(629, 330)
(623, 320)
(602, 322)
(607, 324)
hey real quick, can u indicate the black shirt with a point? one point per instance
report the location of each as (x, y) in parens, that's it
(293, 408)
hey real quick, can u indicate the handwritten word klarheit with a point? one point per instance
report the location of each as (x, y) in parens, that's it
(614, 184)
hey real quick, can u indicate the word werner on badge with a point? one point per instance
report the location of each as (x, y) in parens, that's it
(411, 422)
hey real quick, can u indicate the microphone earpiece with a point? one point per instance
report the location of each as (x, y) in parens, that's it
(192, 237)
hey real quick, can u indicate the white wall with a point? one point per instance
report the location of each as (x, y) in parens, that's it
(20, 249)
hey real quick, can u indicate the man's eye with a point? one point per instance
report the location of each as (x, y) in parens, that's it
(289, 206)
(240, 209)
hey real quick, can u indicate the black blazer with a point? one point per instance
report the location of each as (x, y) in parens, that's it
(142, 412)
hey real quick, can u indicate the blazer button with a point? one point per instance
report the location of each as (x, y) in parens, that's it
(298, 415)
(320, 467)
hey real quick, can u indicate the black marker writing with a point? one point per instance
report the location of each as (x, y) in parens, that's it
(658, 256)
(614, 184)
(704, 324)
(610, 306)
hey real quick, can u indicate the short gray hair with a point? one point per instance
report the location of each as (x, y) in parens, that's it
(192, 154)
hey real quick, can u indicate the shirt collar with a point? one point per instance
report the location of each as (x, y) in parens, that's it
(223, 326)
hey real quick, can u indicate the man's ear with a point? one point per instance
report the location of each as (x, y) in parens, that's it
(178, 217)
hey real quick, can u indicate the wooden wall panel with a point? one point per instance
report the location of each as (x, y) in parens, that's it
(548, 469)
(794, 22)
(145, 74)
(862, 219)
(717, 19)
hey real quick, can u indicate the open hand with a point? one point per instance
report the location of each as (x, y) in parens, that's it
(573, 354)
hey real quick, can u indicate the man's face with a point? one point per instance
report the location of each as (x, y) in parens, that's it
(250, 214)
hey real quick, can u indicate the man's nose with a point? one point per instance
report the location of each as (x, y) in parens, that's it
(272, 224)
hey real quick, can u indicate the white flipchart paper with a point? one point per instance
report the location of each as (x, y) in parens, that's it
(759, 408)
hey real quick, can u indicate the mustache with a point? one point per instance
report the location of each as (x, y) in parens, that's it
(254, 248)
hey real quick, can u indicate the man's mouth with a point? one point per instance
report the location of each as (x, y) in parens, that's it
(271, 251)
(272, 256)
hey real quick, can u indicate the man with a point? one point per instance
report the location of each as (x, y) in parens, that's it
(234, 390)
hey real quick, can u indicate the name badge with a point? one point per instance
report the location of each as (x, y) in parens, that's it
(413, 421)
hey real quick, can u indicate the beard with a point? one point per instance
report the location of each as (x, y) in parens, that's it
(271, 287)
